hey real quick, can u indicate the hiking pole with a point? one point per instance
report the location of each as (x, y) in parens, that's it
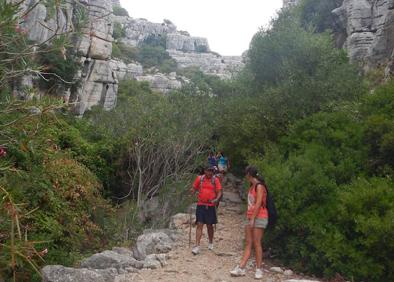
(190, 226)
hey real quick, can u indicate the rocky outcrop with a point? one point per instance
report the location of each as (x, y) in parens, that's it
(163, 83)
(186, 50)
(138, 30)
(367, 29)
(96, 80)
(209, 63)
(287, 3)
(125, 71)
(186, 43)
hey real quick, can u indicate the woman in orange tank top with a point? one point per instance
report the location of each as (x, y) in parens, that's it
(257, 221)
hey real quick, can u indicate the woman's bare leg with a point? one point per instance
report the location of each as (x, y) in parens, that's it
(257, 236)
(248, 246)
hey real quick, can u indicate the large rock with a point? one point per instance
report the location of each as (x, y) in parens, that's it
(154, 242)
(162, 82)
(209, 63)
(98, 86)
(125, 71)
(155, 261)
(96, 39)
(97, 83)
(58, 273)
(367, 27)
(111, 259)
(138, 30)
(181, 42)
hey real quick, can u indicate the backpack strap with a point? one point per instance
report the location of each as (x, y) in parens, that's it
(213, 181)
(266, 189)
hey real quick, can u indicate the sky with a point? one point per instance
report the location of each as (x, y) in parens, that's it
(229, 25)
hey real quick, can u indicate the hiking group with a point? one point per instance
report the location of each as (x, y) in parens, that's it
(260, 210)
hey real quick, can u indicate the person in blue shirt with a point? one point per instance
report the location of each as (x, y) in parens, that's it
(223, 162)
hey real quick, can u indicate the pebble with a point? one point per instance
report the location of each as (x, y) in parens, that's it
(276, 269)
(288, 272)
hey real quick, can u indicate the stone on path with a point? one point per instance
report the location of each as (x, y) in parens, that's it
(276, 269)
(288, 272)
(58, 273)
(152, 243)
(110, 259)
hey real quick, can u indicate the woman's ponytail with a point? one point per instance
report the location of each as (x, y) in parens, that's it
(252, 171)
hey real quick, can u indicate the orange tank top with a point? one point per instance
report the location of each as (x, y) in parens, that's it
(263, 212)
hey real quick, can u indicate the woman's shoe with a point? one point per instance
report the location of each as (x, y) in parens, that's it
(258, 274)
(237, 271)
(196, 250)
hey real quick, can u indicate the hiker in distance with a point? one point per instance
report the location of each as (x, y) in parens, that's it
(257, 221)
(209, 193)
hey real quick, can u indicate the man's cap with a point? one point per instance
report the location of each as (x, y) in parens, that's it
(210, 168)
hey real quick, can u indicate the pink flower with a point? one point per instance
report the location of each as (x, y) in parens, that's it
(3, 152)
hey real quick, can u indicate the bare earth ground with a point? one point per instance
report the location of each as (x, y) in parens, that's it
(212, 265)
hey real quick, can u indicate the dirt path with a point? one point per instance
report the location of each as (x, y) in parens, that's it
(212, 265)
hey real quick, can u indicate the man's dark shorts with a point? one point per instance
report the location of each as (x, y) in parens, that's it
(206, 215)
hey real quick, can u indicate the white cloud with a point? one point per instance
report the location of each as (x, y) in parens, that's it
(229, 25)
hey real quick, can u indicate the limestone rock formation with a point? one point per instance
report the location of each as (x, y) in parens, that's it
(368, 32)
(94, 46)
(162, 82)
(209, 63)
(185, 43)
(138, 30)
(287, 3)
(186, 50)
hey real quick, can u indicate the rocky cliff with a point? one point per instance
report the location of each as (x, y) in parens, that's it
(100, 73)
(93, 45)
(366, 30)
(186, 50)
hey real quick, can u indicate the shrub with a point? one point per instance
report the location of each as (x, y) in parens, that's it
(119, 31)
(119, 11)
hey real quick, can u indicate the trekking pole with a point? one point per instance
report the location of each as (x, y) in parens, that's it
(190, 226)
(216, 214)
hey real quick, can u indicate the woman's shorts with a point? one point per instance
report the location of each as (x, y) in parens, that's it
(259, 223)
(206, 215)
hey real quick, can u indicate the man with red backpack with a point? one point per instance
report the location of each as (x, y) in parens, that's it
(209, 193)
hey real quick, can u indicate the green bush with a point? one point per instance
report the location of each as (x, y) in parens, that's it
(119, 11)
(336, 210)
(60, 200)
(119, 31)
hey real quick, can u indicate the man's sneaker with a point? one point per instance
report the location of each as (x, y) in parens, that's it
(237, 271)
(196, 250)
(258, 274)
(210, 246)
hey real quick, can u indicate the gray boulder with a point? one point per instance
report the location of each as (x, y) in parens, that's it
(154, 242)
(111, 259)
(58, 273)
(155, 261)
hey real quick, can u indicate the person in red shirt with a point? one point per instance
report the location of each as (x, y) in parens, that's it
(209, 193)
(257, 221)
